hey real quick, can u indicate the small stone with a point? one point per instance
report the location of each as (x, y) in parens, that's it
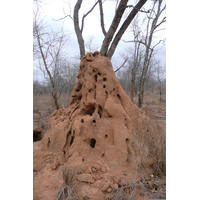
(115, 186)
(94, 170)
(88, 178)
(55, 164)
(150, 185)
(109, 190)
(105, 187)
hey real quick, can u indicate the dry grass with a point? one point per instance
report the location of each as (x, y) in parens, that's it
(66, 190)
(43, 107)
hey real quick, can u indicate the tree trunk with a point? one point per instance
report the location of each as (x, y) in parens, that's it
(77, 28)
(141, 93)
(124, 27)
(54, 93)
(55, 98)
(148, 55)
(132, 85)
(160, 88)
(113, 27)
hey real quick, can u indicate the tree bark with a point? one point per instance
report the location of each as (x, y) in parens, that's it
(102, 17)
(160, 87)
(144, 71)
(132, 85)
(54, 93)
(124, 27)
(113, 27)
(77, 28)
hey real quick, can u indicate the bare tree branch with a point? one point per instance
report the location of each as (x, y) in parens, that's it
(163, 20)
(124, 27)
(122, 64)
(139, 10)
(113, 27)
(85, 15)
(77, 28)
(102, 17)
(65, 16)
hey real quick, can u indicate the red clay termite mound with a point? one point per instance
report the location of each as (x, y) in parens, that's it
(93, 147)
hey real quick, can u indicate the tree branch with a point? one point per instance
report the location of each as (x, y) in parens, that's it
(121, 65)
(65, 16)
(124, 27)
(77, 28)
(113, 27)
(163, 20)
(139, 10)
(85, 15)
(102, 17)
(62, 18)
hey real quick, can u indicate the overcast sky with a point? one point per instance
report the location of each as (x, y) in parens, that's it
(54, 9)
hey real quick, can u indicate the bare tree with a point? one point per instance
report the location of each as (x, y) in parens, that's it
(112, 36)
(48, 49)
(138, 55)
(144, 38)
(134, 69)
(152, 25)
(90, 44)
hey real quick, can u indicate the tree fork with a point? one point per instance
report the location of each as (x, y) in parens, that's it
(124, 26)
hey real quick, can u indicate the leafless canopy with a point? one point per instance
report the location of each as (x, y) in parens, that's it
(112, 36)
(48, 49)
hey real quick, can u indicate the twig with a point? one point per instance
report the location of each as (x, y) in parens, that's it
(85, 15)
(121, 65)
(131, 6)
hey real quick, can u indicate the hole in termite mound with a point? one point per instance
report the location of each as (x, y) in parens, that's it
(72, 139)
(68, 136)
(89, 110)
(95, 77)
(92, 142)
(37, 135)
(100, 111)
(118, 96)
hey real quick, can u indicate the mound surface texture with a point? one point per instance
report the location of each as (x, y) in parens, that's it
(91, 148)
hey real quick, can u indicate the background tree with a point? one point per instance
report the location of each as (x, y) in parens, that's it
(144, 37)
(152, 24)
(112, 36)
(48, 49)
(138, 54)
